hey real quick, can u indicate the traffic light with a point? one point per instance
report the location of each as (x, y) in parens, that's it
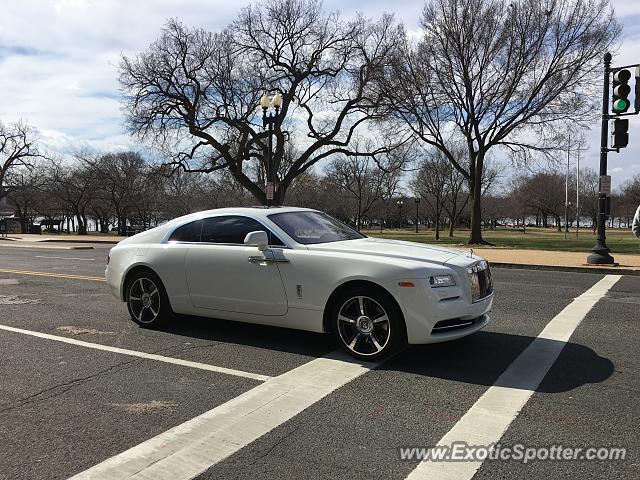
(637, 96)
(619, 133)
(621, 91)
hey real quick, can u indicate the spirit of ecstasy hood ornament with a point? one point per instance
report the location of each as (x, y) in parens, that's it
(471, 252)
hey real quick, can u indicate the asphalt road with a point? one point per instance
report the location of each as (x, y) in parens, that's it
(65, 407)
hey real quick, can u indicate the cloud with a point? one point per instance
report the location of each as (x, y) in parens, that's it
(7, 51)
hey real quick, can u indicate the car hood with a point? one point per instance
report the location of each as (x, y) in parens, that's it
(420, 252)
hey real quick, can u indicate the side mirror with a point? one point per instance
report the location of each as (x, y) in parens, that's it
(258, 239)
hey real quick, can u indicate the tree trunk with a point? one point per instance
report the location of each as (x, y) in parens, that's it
(475, 236)
(475, 187)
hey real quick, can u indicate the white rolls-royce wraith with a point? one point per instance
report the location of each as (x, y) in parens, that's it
(301, 268)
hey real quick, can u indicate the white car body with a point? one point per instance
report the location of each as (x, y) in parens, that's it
(291, 286)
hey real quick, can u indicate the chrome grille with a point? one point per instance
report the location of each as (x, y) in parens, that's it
(480, 280)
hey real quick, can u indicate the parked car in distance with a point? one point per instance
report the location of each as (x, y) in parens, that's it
(303, 269)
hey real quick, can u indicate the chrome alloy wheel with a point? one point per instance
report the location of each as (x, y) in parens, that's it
(364, 326)
(144, 300)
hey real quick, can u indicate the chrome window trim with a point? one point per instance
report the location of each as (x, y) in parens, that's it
(170, 232)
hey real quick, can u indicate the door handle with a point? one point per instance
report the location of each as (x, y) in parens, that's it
(259, 259)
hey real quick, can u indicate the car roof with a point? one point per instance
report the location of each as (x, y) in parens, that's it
(255, 212)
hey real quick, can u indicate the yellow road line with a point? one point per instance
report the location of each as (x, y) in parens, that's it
(53, 274)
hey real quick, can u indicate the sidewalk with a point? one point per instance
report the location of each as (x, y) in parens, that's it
(58, 242)
(551, 260)
(63, 237)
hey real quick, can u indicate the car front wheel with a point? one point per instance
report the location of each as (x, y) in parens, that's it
(147, 301)
(367, 324)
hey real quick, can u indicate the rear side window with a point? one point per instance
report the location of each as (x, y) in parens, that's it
(187, 233)
(233, 229)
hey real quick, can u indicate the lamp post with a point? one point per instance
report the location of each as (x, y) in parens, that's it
(269, 120)
(417, 205)
(400, 203)
(566, 192)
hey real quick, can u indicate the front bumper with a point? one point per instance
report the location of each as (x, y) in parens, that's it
(425, 308)
(462, 328)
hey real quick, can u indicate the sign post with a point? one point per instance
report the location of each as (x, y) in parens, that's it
(270, 191)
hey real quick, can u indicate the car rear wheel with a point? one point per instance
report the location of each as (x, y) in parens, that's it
(147, 300)
(367, 324)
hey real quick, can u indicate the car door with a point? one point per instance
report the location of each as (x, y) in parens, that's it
(224, 274)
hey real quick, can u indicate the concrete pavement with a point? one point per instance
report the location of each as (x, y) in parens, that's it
(70, 406)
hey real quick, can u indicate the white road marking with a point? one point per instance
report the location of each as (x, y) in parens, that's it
(488, 419)
(189, 449)
(66, 258)
(133, 353)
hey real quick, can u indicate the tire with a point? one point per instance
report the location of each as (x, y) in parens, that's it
(147, 300)
(367, 323)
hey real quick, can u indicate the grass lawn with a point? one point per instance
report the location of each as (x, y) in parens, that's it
(618, 240)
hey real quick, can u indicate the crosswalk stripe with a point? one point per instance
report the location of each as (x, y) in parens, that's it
(189, 449)
(488, 419)
(134, 353)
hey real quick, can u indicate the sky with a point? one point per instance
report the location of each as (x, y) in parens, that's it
(58, 64)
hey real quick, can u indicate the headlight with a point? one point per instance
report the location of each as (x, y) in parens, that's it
(442, 281)
(481, 265)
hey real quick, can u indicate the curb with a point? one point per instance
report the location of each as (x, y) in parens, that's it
(42, 246)
(560, 268)
(60, 240)
(55, 240)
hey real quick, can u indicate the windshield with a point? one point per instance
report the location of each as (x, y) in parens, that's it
(313, 227)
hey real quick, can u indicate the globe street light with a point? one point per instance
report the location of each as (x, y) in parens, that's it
(417, 205)
(268, 121)
(400, 203)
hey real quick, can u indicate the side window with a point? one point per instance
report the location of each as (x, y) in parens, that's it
(233, 229)
(187, 233)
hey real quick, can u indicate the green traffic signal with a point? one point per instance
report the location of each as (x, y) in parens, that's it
(621, 91)
(621, 105)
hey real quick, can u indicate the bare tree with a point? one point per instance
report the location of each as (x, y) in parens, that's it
(310, 190)
(26, 185)
(185, 193)
(519, 205)
(72, 185)
(431, 183)
(589, 188)
(119, 178)
(546, 195)
(17, 149)
(492, 73)
(360, 178)
(194, 94)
